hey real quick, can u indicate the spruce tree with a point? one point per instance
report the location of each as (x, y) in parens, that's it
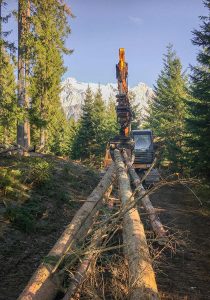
(63, 136)
(112, 127)
(23, 126)
(50, 28)
(99, 125)
(84, 139)
(135, 111)
(198, 120)
(4, 19)
(8, 107)
(167, 110)
(8, 100)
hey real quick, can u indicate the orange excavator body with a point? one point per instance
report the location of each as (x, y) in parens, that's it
(122, 73)
(123, 140)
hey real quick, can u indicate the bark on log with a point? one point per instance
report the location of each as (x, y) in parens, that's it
(41, 286)
(142, 277)
(83, 269)
(156, 224)
(81, 273)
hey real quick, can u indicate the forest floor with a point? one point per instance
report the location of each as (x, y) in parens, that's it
(36, 207)
(184, 273)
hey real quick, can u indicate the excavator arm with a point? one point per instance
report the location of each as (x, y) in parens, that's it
(123, 105)
(123, 110)
(122, 73)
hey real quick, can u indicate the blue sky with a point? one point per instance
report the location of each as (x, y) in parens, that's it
(143, 27)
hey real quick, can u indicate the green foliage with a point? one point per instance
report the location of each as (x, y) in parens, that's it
(38, 172)
(97, 125)
(5, 179)
(50, 28)
(167, 110)
(83, 141)
(8, 100)
(4, 19)
(10, 186)
(112, 127)
(198, 118)
(20, 218)
(136, 112)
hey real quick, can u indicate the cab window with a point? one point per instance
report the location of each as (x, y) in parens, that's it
(142, 142)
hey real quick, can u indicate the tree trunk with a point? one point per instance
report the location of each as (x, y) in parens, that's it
(83, 269)
(154, 219)
(41, 286)
(142, 277)
(81, 273)
(23, 127)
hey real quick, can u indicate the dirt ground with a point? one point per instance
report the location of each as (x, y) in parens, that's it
(183, 274)
(21, 253)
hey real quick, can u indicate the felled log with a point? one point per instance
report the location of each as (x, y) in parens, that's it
(8, 150)
(142, 277)
(13, 149)
(81, 272)
(154, 219)
(42, 286)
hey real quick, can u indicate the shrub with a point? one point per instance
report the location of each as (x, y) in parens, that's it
(20, 218)
(38, 173)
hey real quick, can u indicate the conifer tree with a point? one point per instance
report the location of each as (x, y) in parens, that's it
(136, 112)
(63, 136)
(8, 107)
(198, 120)
(8, 100)
(50, 26)
(4, 19)
(167, 109)
(83, 142)
(112, 127)
(23, 128)
(99, 124)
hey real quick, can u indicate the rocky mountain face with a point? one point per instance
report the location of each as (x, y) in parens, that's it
(73, 94)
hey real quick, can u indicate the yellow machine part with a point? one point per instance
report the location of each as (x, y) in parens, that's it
(123, 69)
(107, 158)
(141, 166)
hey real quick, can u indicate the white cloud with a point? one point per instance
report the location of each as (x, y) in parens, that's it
(135, 20)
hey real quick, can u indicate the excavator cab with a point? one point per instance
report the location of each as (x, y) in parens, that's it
(145, 155)
(143, 149)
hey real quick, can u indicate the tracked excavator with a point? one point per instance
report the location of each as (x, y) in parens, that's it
(138, 143)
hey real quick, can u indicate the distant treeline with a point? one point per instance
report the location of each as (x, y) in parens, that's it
(179, 113)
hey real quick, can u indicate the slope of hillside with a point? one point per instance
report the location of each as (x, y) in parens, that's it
(40, 195)
(38, 198)
(73, 93)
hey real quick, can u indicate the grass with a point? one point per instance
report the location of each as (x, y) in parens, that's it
(32, 187)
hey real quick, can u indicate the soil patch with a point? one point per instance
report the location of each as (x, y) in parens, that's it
(185, 273)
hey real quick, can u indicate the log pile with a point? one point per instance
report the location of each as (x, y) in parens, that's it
(86, 227)
(154, 219)
(142, 275)
(42, 286)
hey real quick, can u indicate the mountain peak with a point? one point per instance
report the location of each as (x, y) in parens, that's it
(73, 94)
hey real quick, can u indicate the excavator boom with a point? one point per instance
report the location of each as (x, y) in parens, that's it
(123, 110)
(122, 73)
(123, 105)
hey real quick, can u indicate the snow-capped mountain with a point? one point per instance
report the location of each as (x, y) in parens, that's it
(73, 94)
